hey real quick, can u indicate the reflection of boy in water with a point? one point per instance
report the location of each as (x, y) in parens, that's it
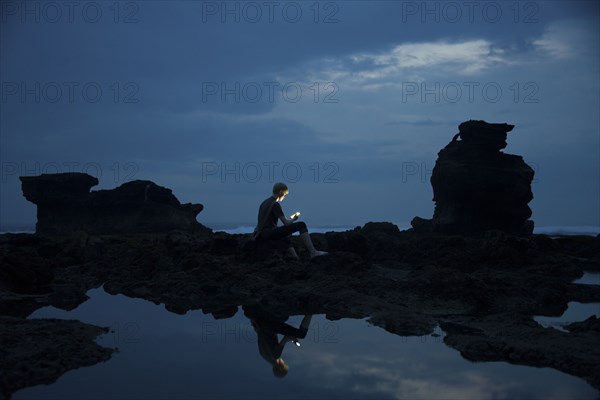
(269, 347)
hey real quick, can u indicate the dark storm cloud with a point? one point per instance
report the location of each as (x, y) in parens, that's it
(179, 89)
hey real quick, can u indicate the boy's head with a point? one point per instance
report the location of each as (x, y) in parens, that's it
(280, 189)
(280, 368)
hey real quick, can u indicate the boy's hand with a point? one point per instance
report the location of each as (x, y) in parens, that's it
(295, 216)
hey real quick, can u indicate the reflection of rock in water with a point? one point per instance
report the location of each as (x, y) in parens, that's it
(38, 352)
(476, 187)
(65, 204)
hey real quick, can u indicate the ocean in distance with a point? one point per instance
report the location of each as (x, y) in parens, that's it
(243, 228)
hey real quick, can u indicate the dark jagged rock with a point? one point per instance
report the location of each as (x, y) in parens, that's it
(476, 187)
(592, 324)
(522, 341)
(65, 205)
(39, 351)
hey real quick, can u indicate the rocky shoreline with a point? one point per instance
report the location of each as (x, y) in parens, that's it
(475, 269)
(482, 291)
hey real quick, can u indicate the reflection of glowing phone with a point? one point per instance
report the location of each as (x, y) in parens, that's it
(294, 215)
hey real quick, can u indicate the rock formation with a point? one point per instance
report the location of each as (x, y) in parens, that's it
(65, 205)
(476, 187)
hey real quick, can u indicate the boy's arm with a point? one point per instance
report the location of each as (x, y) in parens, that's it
(281, 215)
(285, 221)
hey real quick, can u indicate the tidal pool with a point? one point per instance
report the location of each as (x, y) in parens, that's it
(163, 355)
(575, 311)
(589, 278)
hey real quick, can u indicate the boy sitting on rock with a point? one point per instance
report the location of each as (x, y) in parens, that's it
(270, 212)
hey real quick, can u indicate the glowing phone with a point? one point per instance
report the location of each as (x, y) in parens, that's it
(295, 215)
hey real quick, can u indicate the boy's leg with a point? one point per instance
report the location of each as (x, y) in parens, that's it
(283, 329)
(310, 247)
(282, 234)
(283, 231)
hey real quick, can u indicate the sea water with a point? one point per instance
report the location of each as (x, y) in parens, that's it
(163, 355)
(547, 230)
(243, 228)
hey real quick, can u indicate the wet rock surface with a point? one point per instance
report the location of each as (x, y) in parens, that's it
(482, 291)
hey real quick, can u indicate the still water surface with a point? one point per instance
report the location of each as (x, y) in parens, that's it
(165, 355)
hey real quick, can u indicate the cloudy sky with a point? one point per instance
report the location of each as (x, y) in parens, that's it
(348, 102)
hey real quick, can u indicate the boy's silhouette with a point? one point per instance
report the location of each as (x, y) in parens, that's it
(267, 326)
(270, 212)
